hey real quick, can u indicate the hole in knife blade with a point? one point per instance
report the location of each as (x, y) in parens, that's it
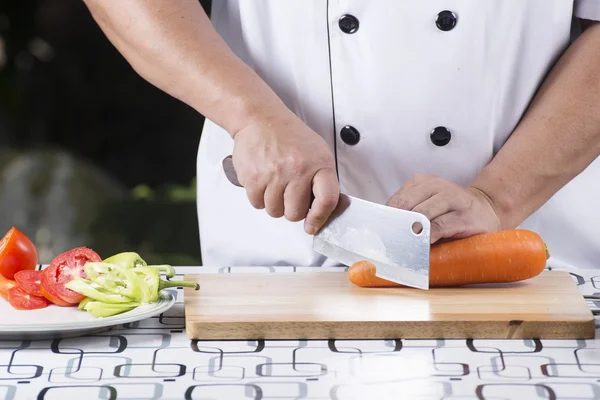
(417, 228)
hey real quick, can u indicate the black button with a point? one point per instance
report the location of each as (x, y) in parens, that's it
(446, 20)
(350, 135)
(348, 23)
(440, 136)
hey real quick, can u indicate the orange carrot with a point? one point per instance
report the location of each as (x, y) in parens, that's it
(498, 257)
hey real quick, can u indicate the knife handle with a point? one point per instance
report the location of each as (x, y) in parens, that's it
(230, 171)
(232, 175)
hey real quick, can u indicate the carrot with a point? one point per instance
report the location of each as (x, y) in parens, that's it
(498, 257)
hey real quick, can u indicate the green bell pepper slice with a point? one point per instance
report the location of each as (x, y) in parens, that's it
(100, 309)
(95, 292)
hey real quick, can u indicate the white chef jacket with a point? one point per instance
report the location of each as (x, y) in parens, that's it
(375, 79)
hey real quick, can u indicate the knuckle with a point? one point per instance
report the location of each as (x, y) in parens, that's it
(326, 160)
(274, 169)
(445, 201)
(398, 202)
(293, 214)
(421, 209)
(329, 200)
(439, 224)
(464, 203)
(296, 165)
(252, 178)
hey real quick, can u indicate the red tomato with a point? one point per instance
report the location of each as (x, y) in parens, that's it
(30, 282)
(17, 253)
(21, 300)
(62, 270)
(50, 293)
(5, 286)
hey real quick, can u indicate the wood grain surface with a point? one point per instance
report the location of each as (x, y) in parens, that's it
(325, 305)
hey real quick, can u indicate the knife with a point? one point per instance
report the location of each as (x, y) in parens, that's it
(396, 241)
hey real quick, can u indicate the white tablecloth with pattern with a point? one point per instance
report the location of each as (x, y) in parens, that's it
(153, 359)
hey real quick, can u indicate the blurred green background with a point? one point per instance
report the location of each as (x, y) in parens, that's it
(90, 153)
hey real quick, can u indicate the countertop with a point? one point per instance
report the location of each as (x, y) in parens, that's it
(153, 359)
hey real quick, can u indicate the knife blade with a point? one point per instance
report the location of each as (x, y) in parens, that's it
(396, 241)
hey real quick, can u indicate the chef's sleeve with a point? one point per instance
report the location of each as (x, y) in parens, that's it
(587, 9)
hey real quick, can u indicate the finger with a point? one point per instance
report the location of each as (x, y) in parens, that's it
(256, 195)
(253, 184)
(296, 199)
(447, 226)
(327, 193)
(435, 206)
(408, 186)
(255, 189)
(274, 198)
(408, 197)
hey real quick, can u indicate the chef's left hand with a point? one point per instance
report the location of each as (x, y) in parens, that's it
(455, 212)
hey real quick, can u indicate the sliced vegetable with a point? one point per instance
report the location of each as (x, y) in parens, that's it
(5, 286)
(83, 302)
(126, 260)
(120, 285)
(21, 300)
(30, 281)
(64, 268)
(117, 279)
(152, 279)
(50, 293)
(94, 291)
(133, 260)
(99, 309)
(497, 257)
(17, 253)
(79, 277)
(110, 288)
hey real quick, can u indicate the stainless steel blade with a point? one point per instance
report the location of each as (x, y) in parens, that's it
(362, 230)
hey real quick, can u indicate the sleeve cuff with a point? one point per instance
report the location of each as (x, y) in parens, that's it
(587, 9)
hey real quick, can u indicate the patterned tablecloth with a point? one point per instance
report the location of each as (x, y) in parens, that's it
(153, 359)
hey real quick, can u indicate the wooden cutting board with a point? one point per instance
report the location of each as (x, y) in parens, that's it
(325, 305)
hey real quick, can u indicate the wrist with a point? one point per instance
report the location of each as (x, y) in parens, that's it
(497, 191)
(264, 115)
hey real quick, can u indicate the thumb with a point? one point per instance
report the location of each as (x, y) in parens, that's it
(327, 193)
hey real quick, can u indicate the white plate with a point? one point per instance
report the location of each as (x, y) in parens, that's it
(54, 322)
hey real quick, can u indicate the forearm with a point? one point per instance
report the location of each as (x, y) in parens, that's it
(556, 140)
(173, 45)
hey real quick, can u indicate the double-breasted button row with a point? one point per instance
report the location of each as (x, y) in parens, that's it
(445, 21)
(439, 136)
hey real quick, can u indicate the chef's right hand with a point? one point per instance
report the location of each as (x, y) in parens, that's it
(280, 161)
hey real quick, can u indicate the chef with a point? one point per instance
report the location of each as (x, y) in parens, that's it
(482, 115)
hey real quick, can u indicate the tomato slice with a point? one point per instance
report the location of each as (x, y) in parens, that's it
(50, 293)
(5, 286)
(30, 281)
(63, 269)
(21, 300)
(17, 253)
